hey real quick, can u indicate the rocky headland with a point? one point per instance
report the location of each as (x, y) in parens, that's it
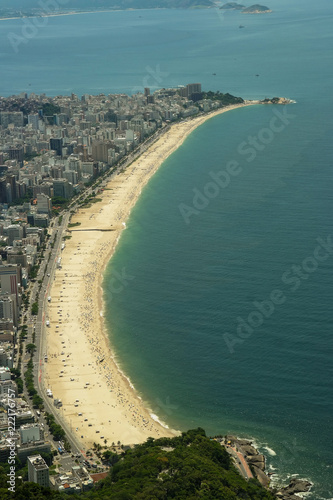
(243, 449)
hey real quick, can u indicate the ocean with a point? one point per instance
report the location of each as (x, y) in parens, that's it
(226, 322)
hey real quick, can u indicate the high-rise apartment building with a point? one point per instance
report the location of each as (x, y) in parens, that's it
(33, 121)
(193, 88)
(17, 154)
(38, 471)
(44, 205)
(100, 151)
(63, 188)
(56, 145)
(14, 232)
(8, 308)
(11, 279)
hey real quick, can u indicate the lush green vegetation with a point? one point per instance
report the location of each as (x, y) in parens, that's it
(30, 348)
(29, 378)
(59, 203)
(16, 376)
(190, 466)
(24, 330)
(50, 109)
(57, 431)
(225, 99)
(186, 467)
(37, 402)
(34, 309)
(33, 272)
(59, 200)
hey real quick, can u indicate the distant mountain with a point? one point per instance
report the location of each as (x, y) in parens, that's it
(256, 9)
(92, 5)
(232, 6)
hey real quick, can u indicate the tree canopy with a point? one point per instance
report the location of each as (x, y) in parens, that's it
(190, 466)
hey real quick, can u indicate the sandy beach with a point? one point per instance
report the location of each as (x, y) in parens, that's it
(98, 401)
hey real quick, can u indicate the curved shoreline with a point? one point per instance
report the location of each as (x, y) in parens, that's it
(60, 14)
(81, 363)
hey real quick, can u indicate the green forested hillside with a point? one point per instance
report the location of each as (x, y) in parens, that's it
(190, 466)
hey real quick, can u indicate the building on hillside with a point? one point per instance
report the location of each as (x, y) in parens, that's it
(38, 471)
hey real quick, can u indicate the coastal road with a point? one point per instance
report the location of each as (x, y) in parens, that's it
(240, 462)
(41, 332)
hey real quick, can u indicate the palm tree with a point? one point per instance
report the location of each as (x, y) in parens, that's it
(30, 348)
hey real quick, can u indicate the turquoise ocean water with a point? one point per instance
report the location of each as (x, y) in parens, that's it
(174, 326)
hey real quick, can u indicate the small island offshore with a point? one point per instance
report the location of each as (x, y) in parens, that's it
(72, 168)
(253, 9)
